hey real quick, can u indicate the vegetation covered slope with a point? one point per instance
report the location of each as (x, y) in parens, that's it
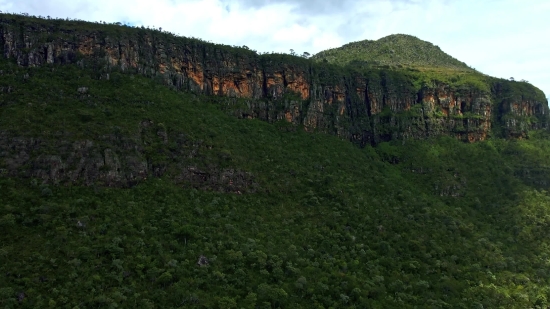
(392, 50)
(365, 105)
(436, 223)
(421, 60)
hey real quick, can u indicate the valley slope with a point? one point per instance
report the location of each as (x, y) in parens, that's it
(139, 169)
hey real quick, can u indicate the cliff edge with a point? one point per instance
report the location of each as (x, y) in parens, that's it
(366, 105)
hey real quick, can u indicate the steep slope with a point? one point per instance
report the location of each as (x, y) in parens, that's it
(366, 106)
(111, 194)
(392, 50)
(120, 190)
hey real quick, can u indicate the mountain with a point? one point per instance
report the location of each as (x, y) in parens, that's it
(140, 169)
(365, 105)
(393, 50)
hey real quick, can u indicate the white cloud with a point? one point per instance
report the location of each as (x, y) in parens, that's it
(502, 38)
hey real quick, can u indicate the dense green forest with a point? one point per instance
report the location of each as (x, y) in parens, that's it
(310, 220)
(438, 222)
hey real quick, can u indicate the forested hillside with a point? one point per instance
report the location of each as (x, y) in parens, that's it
(118, 190)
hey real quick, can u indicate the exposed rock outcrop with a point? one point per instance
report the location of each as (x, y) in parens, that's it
(125, 163)
(366, 108)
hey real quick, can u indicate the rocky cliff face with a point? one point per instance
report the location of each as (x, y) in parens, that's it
(364, 107)
(117, 161)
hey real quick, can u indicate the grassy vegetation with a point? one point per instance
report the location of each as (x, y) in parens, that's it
(520, 89)
(397, 50)
(435, 223)
(426, 76)
(422, 61)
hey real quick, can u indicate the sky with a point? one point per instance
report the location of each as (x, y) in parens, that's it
(501, 38)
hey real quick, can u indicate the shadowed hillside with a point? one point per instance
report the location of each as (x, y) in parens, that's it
(134, 187)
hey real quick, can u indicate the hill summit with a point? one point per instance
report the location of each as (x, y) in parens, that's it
(392, 50)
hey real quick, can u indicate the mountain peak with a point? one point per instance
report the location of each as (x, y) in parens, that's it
(392, 50)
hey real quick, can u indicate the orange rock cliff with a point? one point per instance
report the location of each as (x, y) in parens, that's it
(366, 108)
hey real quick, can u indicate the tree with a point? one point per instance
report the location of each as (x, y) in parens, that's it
(250, 300)
(306, 55)
(227, 303)
(292, 52)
